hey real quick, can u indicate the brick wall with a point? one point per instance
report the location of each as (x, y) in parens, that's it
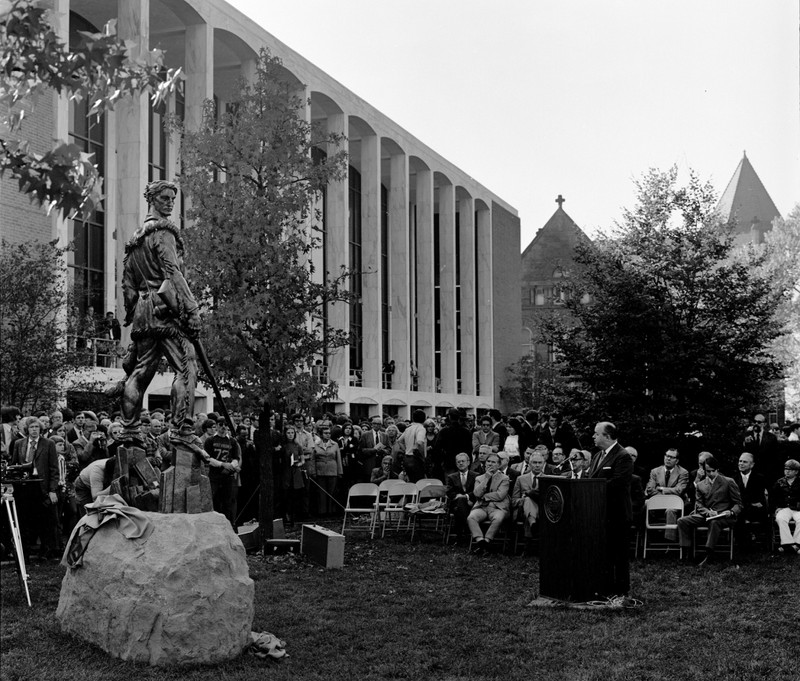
(21, 220)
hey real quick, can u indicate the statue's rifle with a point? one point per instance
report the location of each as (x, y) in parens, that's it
(170, 299)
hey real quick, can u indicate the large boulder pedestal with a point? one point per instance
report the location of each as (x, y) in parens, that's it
(181, 596)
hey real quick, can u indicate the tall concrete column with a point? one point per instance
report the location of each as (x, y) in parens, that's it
(199, 59)
(447, 285)
(336, 245)
(466, 255)
(424, 276)
(485, 321)
(371, 258)
(132, 133)
(399, 315)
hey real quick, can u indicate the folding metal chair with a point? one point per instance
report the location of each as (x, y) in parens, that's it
(362, 498)
(661, 502)
(397, 496)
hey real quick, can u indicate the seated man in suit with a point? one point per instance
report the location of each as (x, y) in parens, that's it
(668, 479)
(561, 464)
(753, 488)
(460, 486)
(384, 472)
(718, 505)
(526, 495)
(786, 502)
(580, 459)
(491, 503)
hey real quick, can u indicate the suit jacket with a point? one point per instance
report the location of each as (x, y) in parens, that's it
(8, 447)
(755, 491)
(675, 483)
(454, 486)
(564, 436)
(368, 442)
(480, 438)
(617, 469)
(720, 495)
(525, 487)
(492, 493)
(45, 460)
(768, 441)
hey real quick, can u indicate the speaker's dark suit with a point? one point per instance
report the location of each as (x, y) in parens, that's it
(754, 492)
(43, 513)
(617, 469)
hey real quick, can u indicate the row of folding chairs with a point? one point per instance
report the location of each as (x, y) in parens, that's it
(369, 505)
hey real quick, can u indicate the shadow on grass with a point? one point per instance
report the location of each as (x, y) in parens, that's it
(424, 611)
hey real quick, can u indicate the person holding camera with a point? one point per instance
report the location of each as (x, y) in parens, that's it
(762, 443)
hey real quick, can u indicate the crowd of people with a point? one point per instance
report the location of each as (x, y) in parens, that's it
(489, 465)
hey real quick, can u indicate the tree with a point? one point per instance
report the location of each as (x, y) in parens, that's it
(253, 179)
(100, 69)
(677, 333)
(35, 358)
(782, 267)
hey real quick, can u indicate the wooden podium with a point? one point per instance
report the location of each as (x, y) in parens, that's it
(573, 564)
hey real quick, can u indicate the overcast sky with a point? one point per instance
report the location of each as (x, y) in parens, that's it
(576, 97)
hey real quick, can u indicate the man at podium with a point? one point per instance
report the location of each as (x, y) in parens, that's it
(614, 464)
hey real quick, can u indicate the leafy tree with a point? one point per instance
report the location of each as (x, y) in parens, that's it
(253, 184)
(676, 333)
(100, 69)
(35, 358)
(782, 267)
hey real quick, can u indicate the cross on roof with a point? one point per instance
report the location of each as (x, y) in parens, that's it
(560, 200)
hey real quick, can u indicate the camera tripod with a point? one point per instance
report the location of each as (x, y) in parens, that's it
(13, 521)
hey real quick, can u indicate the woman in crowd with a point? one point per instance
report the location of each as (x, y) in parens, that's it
(396, 449)
(349, 448)
(326, 470)
(294, 483)
(516, 442)
(431, 431)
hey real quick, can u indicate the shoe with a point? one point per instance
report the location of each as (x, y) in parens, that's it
(478, 547)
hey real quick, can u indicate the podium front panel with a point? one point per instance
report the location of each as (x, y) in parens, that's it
(573, 562)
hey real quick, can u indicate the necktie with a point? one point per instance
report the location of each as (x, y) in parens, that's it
(666, 477)
(464, 481)
(31, 451)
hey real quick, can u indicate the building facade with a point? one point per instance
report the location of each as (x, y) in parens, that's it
(440, 298)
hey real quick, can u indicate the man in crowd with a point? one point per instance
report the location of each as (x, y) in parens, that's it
(762, 443)
(526, 495)
(613, 464)
(413, 443)
(491, 503)
(786, 500)
(668, 479)
(498, 427)
(484, 439)
(9, 432)
(561, 465)
(373, 445)
(580, 460)
(452, 439)
(460, 486)
(717, 506)
(39, 512)
(558, 433)
(224, 463)
(753, 489)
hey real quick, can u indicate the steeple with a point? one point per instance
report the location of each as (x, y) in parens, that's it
(746, 200)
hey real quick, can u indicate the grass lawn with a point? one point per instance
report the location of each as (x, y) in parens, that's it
(424, 611)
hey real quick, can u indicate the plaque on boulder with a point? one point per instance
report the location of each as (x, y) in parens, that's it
(182, 596)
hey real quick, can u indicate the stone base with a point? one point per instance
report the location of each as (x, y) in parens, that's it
(181, 596)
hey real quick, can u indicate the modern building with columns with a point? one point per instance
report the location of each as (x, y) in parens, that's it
(441, 252)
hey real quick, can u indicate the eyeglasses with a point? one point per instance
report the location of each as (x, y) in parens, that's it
(575, 458)
(759, 420)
